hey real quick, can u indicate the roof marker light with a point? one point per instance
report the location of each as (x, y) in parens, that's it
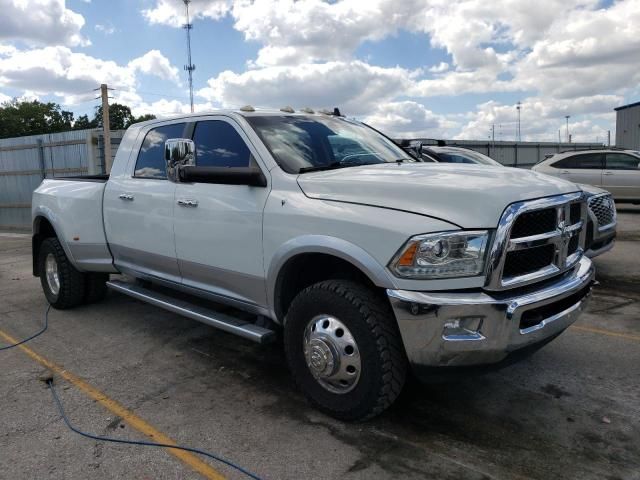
(247, 108)
(287, 109)
(307, 110)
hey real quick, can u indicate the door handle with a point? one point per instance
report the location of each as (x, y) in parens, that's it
(565, 171)
(126, 196)
(607, 173)
(187, 203)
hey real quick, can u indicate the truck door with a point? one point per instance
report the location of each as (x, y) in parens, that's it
(138, 210)
(218, 228)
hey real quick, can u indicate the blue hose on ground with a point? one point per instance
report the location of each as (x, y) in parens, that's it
(46, 324)
(117, 440)
(143, 443)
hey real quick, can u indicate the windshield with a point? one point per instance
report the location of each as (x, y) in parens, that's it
(301, 143)
(465, 156)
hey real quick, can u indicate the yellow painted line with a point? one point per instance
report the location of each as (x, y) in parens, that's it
(628, 336)
(117, 409)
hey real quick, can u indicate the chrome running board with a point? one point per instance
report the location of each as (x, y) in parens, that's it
(219, 320)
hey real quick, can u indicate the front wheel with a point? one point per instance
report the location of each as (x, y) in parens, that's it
(63, 285)
(344, 349)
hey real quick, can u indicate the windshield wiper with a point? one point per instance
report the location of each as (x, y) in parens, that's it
(318, 168)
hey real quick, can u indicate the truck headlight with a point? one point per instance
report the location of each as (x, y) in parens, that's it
(442, 255)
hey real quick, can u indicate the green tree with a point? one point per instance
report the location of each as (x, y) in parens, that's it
(18, 118)
(120, 116)
(143, 118)
(83, 122)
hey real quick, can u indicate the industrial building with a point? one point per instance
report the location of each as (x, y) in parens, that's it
(628, 126)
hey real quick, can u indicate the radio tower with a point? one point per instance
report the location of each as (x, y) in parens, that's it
(190, 67)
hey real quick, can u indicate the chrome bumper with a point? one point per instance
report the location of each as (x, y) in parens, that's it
(466, 329)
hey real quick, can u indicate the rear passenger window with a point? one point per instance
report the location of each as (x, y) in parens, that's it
(218, 144)
(150, 163)
(584, 161)
(622, 161)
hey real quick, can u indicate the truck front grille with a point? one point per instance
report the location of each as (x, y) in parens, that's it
(604, 209)
(534, 223)
(527, 261)
(536, 240)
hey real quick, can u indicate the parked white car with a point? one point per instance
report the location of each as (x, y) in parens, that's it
(369, 261)
(616, 171)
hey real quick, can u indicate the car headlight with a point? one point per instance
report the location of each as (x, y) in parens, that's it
(442, 255)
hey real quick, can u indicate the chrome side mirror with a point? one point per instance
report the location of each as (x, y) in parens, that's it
(417, 145)
(178, 152)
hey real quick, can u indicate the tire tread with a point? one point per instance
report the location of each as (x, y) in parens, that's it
(381, 322)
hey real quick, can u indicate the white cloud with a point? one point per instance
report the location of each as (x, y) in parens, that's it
(4, 98)
(172, 12)
(356, 87)
(312, 30)
(73, 75)
(47, 22)
(166, 108)
(542, 117)
(592, 52)
(105, 29)
(155, 63)
(441, 67)
(410, 119)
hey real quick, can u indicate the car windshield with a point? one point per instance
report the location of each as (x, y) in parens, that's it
(307, 143)
(465, 156)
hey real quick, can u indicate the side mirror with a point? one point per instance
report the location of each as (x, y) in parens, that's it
(416, 146)
(178, 152)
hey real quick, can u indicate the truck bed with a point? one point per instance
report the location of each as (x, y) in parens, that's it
(74, 206)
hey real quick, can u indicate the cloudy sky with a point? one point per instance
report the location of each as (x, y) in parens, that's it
(436, 68)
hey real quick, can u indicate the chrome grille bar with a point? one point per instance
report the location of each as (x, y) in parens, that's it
(560, 238)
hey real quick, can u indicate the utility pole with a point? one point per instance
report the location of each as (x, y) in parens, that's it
(519, 134)
(608, 138)
(493, 137)
(106, 129)
(190, 67)
(567, 117)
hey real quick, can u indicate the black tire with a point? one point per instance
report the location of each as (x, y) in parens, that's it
(95, 287)
(372, 325)
(72, 282)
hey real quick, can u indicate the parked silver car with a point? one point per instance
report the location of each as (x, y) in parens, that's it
(617, 171)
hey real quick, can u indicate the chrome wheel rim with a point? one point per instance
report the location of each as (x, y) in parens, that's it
(332, 354)
(51, 272)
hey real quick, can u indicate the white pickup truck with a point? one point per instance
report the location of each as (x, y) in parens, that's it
(370, 262)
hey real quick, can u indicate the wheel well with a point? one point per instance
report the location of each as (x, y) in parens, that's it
(42, 229)
(306, 269)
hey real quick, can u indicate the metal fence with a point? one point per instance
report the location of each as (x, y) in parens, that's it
(26, 161)
(518, 154)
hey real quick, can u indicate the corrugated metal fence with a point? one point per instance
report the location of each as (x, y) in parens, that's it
(519, 154)
(25, 161)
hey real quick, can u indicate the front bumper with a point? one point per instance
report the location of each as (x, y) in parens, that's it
(441, 329)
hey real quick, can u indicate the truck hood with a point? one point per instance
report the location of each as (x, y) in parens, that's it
(469, 196)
